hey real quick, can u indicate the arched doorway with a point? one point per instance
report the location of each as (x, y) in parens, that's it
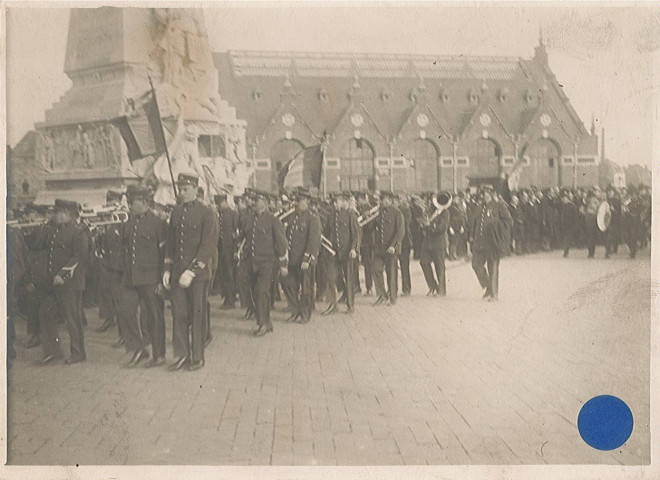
(544, 157)
(424, 158)
(357, 166)
(485, 156)
(280, 153)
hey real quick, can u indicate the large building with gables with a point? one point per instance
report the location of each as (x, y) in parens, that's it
(409, 122)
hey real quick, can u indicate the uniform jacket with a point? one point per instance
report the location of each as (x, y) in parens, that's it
(344, 231)
(265, 239)
(390, 230)
(143, 241)
(191, 240)
(303, 232)
(490, 229)
(406, 242)
(228, 230)
(110, 248)
(434, 235)
(368, 229)
(66, 249)
(245, 219)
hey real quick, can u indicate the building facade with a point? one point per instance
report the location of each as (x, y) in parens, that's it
(409, 123)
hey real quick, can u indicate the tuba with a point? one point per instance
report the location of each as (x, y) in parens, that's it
(441, 202)
(604, 216)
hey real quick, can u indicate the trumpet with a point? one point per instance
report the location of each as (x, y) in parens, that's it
(286, 213)
(104, 218)
(369, 216)
(327, 244)
(17, 224)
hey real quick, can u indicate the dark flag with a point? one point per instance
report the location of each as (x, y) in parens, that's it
(303, 170)
(142, 130)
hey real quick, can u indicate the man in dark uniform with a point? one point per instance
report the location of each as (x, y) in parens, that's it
(367, 243)
(390, 230)
(433, 252)
(531, 227)
(228, 227)
(303, 232)
(245, 219)
(191, 239)
(591, 223)
(416, 212)
(343, 230)
(613, 233)
(143, 241)
(66, 251)
(631, 219)
(569, 221)
(401, 202)
(266, 248)
(518, 228)
(488, 236)
(110, 265)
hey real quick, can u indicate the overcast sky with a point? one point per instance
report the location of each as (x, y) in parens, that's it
(604, 57)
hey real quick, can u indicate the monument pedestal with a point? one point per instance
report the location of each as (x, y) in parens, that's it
(111, 53)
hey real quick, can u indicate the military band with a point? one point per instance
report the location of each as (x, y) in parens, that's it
(252, 245)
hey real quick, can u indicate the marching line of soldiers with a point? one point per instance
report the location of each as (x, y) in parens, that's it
(309, 249)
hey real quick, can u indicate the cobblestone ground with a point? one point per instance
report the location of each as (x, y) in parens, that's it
(428, 381)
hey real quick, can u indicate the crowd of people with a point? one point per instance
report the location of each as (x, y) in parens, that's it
(259, 247)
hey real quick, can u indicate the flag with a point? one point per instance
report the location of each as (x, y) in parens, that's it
(142, 130)
(303, 170)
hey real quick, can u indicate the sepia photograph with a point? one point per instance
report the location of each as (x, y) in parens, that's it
(328, 234)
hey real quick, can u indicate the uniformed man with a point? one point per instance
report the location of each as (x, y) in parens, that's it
(590, 223)
(143, 239)
(489, 237)
(66, 251)
(266, 250)
(343, 230)
(245, 219)
(569, 221)
(228, 228)
(191, 239)
(401, 202)
(110, 265)
(390, 230)
(518, 228)
(433, 251)
(367, 243)
(303, 233)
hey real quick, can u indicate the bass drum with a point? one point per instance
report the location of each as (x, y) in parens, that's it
(604, 216)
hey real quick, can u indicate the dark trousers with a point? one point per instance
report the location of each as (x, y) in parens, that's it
(299, 290)
(152, 319)
(244, 286)
(488, 278)
(64, 300)
(367, 263)
(189, 310)
(34, 300)
(109, 292)
(261, 276)
(387, 263)
(321, 275)
(518, 234)
(591, 234)
(344, 270)
(226, 272)
(430, 258)
(404, 262)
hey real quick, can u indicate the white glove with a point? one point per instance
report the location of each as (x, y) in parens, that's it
(166, 280)
(186, 279)
(461, 230)
(451, 231)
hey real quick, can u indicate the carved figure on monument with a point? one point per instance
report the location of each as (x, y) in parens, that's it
(184, 55)
(87, 147)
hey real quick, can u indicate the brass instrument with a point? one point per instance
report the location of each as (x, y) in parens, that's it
(327, 244)
(368, 217)
(604, 216)
(286, 213)
(103, 216)
(442, 201)
(17, 224)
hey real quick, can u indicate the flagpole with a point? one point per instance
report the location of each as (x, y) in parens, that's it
(323, 165)
(160, 122)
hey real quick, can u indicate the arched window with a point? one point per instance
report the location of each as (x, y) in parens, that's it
(357, 166)
(485, 157)
(544, 155)
(424, 160)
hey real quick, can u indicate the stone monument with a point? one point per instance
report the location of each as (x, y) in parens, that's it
(112, 53)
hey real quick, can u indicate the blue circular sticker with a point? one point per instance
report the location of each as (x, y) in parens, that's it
(605, 422)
